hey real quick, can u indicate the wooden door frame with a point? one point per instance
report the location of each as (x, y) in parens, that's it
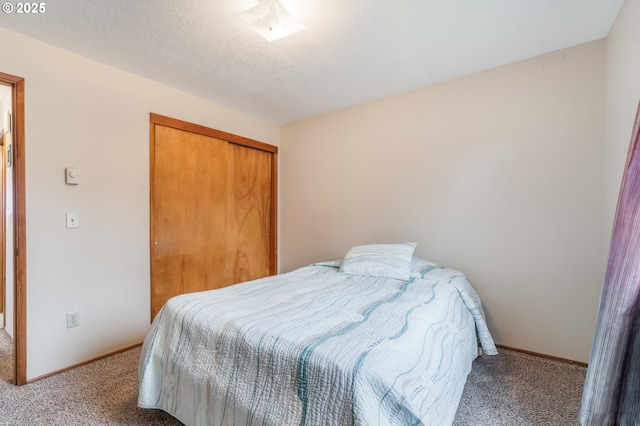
(19, 226)
(231, 138)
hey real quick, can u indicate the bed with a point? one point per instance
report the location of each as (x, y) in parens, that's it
(378, 338)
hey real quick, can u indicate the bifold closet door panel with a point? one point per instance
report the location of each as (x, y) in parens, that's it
(249, 213)
(189, 214)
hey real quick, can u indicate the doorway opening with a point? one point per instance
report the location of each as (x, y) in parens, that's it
(6, 292)
(12, 225)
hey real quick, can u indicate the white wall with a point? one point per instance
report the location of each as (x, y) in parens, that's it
(498, 174)
(85, 114)
(622, 98)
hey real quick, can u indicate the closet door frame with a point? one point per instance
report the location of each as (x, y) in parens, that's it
(156, 119)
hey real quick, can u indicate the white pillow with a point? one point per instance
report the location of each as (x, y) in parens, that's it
(380, 261)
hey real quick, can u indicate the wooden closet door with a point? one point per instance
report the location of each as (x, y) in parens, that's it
(249, 213)
(213, 209)
(189, 214)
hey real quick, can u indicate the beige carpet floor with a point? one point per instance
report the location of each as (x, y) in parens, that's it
(100, 393)
(511, 389)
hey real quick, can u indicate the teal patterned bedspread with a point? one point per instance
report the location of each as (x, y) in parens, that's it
(316, 347)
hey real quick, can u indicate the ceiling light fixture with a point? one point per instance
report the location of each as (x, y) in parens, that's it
(270, 20)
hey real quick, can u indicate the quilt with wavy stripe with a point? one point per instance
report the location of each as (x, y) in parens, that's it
(316, 347)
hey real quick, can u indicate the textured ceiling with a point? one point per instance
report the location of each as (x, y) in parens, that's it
(351, 51)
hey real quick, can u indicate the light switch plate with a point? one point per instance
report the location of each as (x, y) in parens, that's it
(72, 220)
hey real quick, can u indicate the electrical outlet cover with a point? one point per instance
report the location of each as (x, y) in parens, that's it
(73, 319)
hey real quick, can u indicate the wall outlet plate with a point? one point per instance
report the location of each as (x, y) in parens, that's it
(73, 319)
